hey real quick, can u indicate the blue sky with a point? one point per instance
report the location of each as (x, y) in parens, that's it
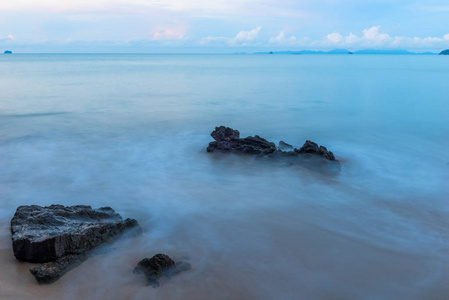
(222, 25)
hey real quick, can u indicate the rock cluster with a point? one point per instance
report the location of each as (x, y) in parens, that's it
(62, 237)
(159, 265)
(228, 140)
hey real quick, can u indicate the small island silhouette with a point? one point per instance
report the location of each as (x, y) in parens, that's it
(7, 52)
(444, 52)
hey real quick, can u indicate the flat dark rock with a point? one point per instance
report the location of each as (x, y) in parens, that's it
(159, 265)
(61, 237)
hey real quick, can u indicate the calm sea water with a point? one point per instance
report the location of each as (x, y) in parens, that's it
(130, 132)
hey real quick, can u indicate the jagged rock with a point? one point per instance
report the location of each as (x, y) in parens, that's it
(159, 265)
(225, 134)
(62, 236)
(284, 146)
(313, 148)
(227, 140)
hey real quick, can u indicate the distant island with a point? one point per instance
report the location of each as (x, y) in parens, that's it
(344, 51)
(7, 52)
(444, 52)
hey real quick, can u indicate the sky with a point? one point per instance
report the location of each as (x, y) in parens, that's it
(158, 26)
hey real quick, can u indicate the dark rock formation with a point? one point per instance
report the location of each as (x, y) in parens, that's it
(51, 271)
(225, 134)
(313, 148)
(444, 52)
(7, 52)
(227, 140)
(284, 146)
(310, 155)
(62, 236)
(159, 265)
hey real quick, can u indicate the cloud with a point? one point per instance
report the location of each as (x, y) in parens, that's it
(169, 32)
(246, 37)
(374, 38)
(281, 39)
(8, 38)
(243, 38)
(334, 37)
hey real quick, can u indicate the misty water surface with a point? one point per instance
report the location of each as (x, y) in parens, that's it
(130, 132)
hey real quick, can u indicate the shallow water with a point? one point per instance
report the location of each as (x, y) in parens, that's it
(130, 132)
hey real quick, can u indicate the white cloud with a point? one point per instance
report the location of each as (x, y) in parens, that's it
(10, 36)
(335, 37)
(246, 37)
(373, 38)
(243, 38)
(282, 39)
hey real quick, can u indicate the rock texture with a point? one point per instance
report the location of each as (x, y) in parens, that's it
(159, 265)
(313, 148)
(228, 140)
(62, 237)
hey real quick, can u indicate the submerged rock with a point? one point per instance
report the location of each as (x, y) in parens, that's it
(159, 265)
(62, 237)
(284, 146)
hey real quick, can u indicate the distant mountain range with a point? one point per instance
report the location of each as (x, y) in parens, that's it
(344, 51)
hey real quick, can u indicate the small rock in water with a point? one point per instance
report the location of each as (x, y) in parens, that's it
(159, 265)
(227, 140)
(313, 148)
(62, 237)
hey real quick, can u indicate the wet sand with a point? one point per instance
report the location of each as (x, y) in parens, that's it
(298, 262)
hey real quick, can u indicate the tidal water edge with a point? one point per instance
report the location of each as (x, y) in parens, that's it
(131, 131)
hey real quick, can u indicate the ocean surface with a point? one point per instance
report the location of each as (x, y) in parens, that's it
(131, 131)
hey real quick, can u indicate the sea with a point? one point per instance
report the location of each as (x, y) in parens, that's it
(130, 131)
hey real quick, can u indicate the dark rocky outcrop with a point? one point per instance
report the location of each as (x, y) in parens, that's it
(444, 52)
(228, 140)
(225, 134)
(310, 155)
(313, 148)
(62, 237)
(159, 265)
